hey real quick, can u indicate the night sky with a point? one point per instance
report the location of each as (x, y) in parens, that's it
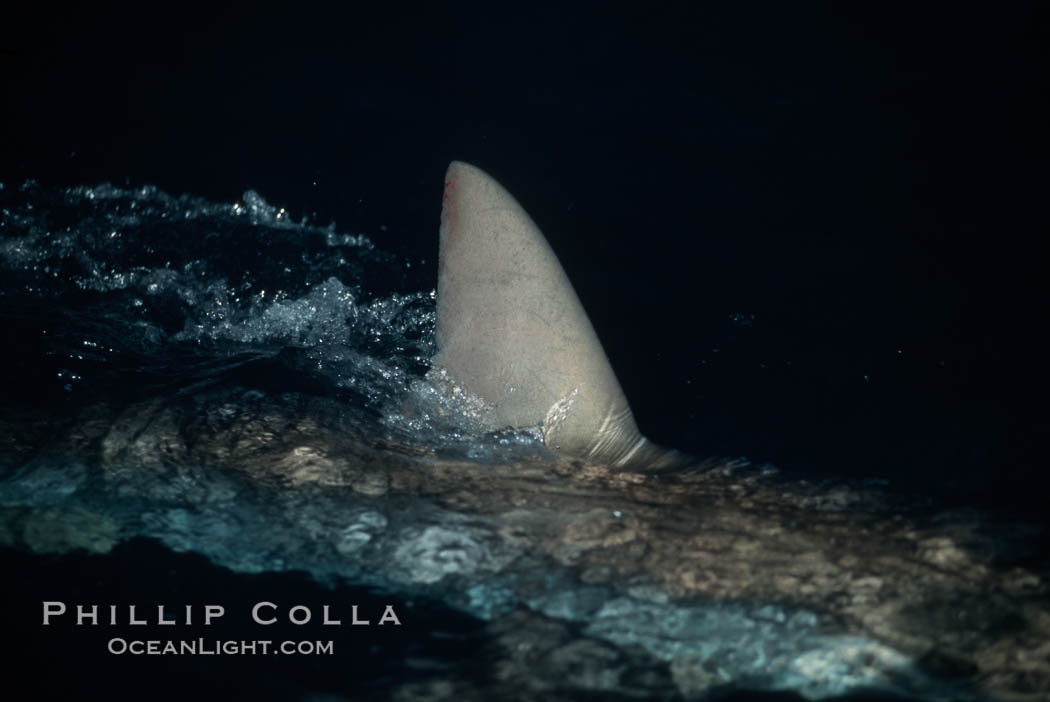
(805, 233)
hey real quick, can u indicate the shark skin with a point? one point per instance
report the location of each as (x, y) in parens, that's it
(893, 597)
(512, 332)
(591, 578)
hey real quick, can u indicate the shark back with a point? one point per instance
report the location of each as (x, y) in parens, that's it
(512, 332)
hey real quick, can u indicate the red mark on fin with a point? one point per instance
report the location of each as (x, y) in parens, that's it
(448, 225)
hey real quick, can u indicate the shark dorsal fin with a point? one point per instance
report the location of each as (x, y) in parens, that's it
(511, 331)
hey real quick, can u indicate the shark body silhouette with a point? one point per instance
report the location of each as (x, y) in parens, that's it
(512, 332)
(592, 578)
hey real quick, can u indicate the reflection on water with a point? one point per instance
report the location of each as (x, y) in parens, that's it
(244, 387)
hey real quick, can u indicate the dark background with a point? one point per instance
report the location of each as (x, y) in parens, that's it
(806, 233)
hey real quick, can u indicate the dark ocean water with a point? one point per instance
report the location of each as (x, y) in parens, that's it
(117, 293)
(119, 298)
(116, 296)
(133, 291)
(808, 237)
